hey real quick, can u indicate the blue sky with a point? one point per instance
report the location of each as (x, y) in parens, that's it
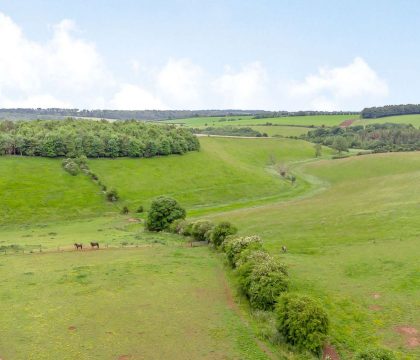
(184, 54)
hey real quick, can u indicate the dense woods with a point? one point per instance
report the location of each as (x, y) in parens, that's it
(73, 138)
(375, 137)
(390, 110)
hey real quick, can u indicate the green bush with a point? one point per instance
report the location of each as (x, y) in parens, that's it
(201, 230)
(234, 246)
(221, 231)
(70, 166)
(112, 195)
(302, 321)
(140, 209)
(163, 211)
(125, 210)
(245, 264)
(375, 354)
(267, 281)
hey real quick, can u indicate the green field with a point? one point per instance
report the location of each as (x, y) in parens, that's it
(285, 130)
(402, 119)
(227, 173)
(316, 120)
(351, 227)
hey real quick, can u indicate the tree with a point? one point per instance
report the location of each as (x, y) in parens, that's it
(163, 211)
(302, 321)
(221, 231)
(318, 150)
(340, 144)
(201, 230)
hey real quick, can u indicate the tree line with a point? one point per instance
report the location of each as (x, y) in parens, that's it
(390, 110)
(73, 138)
(375, 137)
(229, 131)
(59, 113)
(275, 114)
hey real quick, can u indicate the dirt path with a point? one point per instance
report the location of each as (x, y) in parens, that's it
(233, 306)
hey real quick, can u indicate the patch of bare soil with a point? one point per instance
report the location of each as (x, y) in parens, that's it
(410, 334)
(375, 307)
(330, 353)
(72, 328)
(133, 220)
(347, 123)
(124, 357)
(376, 296)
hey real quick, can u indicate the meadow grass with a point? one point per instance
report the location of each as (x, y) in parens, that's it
(282, 130)
(37, 189)
(226, 174)
(354, 245)
(160, 302)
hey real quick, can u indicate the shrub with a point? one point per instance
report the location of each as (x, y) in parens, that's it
(302, 321)
(163, 211)
(125, 210)
(235, 246)
(268, 279)
(245, 264)
(375, 354)
(140, 209)
(201, 230)
(70, 166)
(221, 231)
(178, 226)
(112, 195)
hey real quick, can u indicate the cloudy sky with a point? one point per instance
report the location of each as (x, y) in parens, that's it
(186, 54)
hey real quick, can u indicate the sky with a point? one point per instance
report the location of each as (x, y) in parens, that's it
(187, 54)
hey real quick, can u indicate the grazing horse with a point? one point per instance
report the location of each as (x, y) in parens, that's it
(94, 244)
(78, 246)
(284, 249)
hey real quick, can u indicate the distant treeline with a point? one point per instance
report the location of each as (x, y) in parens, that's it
(273, 114)
(73, 138)
(375, 137)
(390, 110)
(57, 113)
(230, 131)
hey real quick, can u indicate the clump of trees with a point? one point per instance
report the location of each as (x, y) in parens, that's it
(74, 138)
(163, 212)
(373, 137)
(390, 110)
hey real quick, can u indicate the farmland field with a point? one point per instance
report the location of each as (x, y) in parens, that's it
(316, 120)
(351, 227)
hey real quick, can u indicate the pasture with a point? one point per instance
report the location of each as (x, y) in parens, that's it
(351, 227)
(355, 245)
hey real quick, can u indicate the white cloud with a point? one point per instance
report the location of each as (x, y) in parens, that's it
(350, 87)
(63, 71)
(132, 97)
(181, 82)
(245, 89)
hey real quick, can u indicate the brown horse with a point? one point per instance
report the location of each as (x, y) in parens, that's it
(78, 246)
(94, 244)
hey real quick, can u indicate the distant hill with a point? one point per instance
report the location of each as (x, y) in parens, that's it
(153, 115)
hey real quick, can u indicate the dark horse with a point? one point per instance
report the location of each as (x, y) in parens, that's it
(94, 244)
(78, 246)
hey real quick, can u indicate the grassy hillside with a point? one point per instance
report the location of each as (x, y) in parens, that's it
(317, 120)
(37, 189)
(402, 119)
(282, 130)
(225, 174)
(354, 245)
(161, 302)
